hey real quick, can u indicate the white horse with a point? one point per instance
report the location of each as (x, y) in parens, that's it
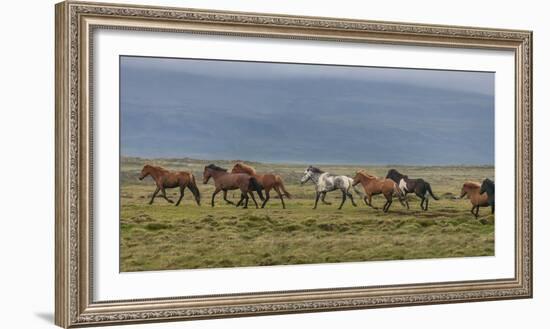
(325, 182)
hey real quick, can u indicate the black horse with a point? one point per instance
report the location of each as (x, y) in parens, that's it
(488, 186)
(420, 187)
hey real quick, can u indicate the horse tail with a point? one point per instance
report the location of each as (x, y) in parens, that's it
(279, 181)
(194, 189)
(429, 188)
(254, 185)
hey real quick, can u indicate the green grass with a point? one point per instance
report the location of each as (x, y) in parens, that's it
(162, 236)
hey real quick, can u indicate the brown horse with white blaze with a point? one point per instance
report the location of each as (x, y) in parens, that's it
(267, 181)
(472, 190)
(171, 179)
(374, 185)
(225, 181)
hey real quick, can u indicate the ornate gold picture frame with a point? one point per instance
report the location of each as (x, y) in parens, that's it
(75, 24)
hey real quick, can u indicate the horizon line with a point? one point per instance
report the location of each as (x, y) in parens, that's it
(310, 163)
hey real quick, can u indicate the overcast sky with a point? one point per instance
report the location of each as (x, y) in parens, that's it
(275, 112)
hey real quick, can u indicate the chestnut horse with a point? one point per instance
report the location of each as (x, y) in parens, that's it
(224, 181)
(478, 199)
(374, 185)
(268, 181)
(171, 179)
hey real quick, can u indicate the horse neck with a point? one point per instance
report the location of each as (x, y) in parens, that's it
(249, 172)
(154, 172)
(315, 178)
(217, 173)
(367, 179)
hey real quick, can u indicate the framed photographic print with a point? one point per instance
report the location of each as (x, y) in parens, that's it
(217, 164)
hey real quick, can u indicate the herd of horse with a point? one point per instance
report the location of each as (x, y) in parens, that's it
(245, 178)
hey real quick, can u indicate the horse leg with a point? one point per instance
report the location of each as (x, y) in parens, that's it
(323, 196)
(477, 211)
(369, 197)
(280, 196)
(216, 191)
(245, 201)
(317, 195)
(343, 199)
(253, 199)
(154, 195)
(266, 198)
(225, 198)
(351, 198)
(406, 201)
(427, 200)
(240, 201)
(388, 204)
(182, 188)
(492, 208)
(164, 195)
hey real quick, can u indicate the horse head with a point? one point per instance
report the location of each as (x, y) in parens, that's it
(206, 174)
(237, 168)
(145, 171)
(357, 178)
(307, 175)
(240, 167)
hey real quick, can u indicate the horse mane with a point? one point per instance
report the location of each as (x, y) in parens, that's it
(472, 185)
(154, 167)
(249, 169)
(315, 170)
(214, 167)
(395, 172)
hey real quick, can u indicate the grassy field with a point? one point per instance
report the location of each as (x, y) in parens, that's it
(162, 236)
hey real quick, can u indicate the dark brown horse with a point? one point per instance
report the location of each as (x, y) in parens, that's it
(170, 179)
(268, 181)
(374, 185)
(418, 186)
(488, 186)
(224, 181)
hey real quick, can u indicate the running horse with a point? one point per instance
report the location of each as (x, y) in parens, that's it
(477, 198)
(418, 186)
(225, 181)
(374, 185)
(170, 179)
(488, 186)
(267, 181)
(325, 182)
